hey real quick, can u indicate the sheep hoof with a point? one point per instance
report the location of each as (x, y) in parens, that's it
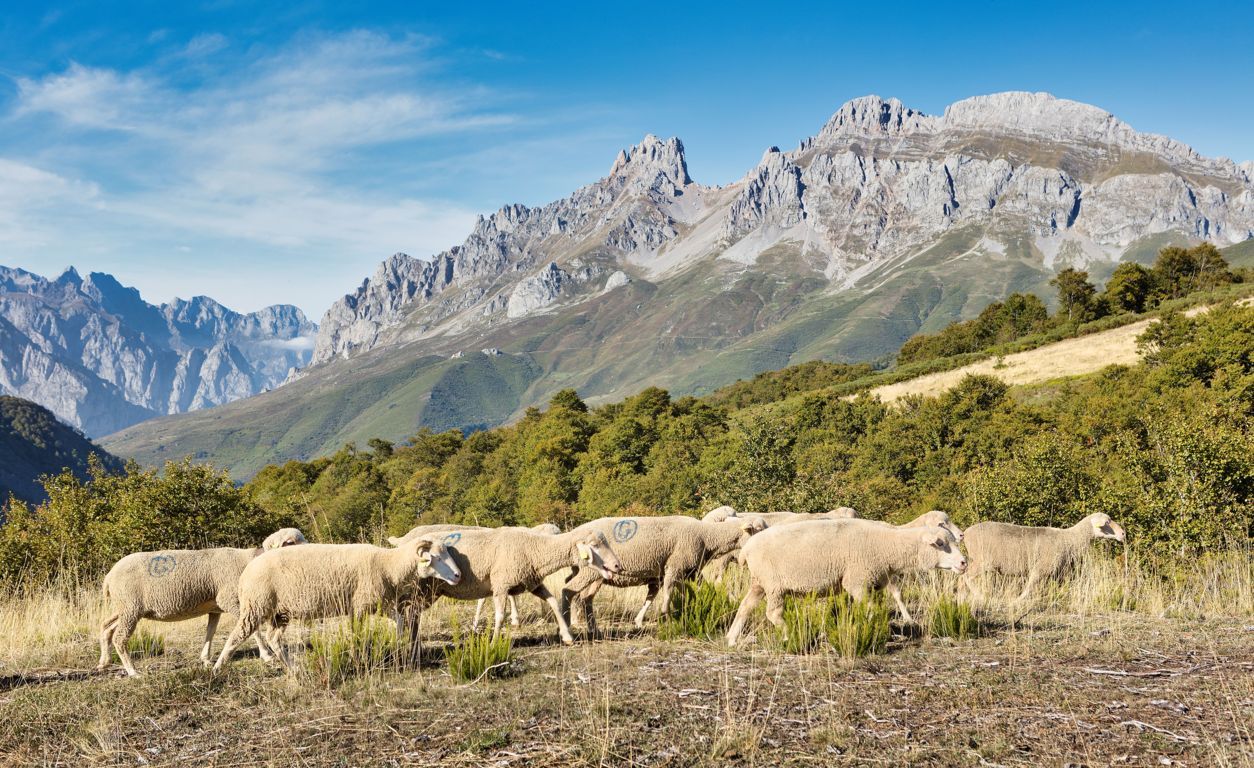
(568, 640)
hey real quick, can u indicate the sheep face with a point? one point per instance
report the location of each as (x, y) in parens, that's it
(749, 526)
(435, 560)
(284, 537)
(943, 548)
(941, 520)
(1105, 528)
(594, 552)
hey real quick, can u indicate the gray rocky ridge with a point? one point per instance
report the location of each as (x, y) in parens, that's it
(101, 358)
(877, 185)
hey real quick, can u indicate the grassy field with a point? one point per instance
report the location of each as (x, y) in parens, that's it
(1126, 665)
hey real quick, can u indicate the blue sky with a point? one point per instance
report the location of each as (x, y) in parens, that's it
(260, 154)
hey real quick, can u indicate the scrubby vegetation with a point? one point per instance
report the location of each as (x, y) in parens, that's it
(1165, 447)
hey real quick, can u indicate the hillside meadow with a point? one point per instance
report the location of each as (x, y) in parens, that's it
(1144, 656)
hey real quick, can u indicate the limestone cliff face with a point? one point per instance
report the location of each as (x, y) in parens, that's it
(879, 184)
(101, 358)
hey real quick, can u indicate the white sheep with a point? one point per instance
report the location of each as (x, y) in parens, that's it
(934, 519)
(720, 565)
(547, 529)
(324, 580)
(655, 551)
(1038, 553)
(719, 514)
(831, 555)
(176, 585)
(499, 562)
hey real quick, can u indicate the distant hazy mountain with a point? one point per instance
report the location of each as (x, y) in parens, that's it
(101, 358)
(34, 443)
(886, 222)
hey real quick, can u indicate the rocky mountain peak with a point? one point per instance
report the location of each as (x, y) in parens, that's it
(651, 157)
(872, 115)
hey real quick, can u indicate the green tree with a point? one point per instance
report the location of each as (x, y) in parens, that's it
(1075, 294)
(1129, 287)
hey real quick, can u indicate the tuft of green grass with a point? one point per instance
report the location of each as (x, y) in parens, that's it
(851, 628)
(807, 622)
(859, 628)
(949, 617)
(144, 643)
(478, 655)
(699, 609)
(357, 648)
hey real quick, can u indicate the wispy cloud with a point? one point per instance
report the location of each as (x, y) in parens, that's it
(284, 149)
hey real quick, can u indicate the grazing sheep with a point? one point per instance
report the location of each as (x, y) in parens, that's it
(720, 565)
(655, 551)
(934, 519)
(548, 529)
(719, 514)
(499, 562)
(1038, 553)
(323, 580)
(175, 585)
(828, 556)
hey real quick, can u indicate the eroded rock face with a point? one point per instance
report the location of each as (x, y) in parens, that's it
(636, 207)
(100, 358)
(879, 184)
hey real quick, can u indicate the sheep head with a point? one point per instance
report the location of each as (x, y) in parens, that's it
(284, 537)
(594, 552)
(749, 526)
(1105, 528)
(548, 529)
(843, 513)
(718, 514)
(940, 519)
(942, 550)
(435, 560)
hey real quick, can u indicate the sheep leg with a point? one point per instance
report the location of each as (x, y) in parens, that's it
(563, 628)
(648, 600)
(106, 637)
(513, 612)
(121, 634)
(498, 612)
(211, 626)
(412, 616)
(579, 580)
(750, 601)
(1033, 578)
(895, 591)
(474, 625)
(585, 604)
(276, 638)
(664, 594)
(245, 625)
(775, 608)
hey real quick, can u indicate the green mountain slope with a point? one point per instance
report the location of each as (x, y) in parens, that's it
(34, 443)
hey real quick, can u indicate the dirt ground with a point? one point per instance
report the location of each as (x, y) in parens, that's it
(1052, 690)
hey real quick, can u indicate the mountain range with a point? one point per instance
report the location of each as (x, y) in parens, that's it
(885, 223)
(101, 358)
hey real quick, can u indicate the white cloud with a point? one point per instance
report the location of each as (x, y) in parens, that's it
(259, 157)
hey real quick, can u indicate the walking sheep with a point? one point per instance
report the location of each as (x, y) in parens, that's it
(548, 529)
(323, 580)
(775, 519)
(828, 556)
(719, 514)
(657, 552)
(176, 585)
(1038, 553)
(499, 562)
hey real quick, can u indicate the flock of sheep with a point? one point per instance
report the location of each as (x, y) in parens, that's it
(785, 554)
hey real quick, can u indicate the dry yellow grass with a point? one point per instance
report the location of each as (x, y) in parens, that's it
(1069, 357)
